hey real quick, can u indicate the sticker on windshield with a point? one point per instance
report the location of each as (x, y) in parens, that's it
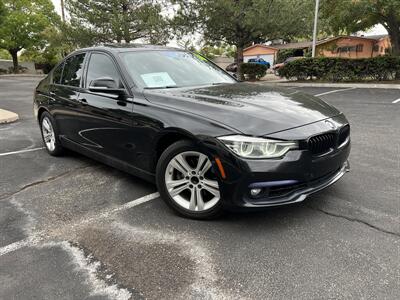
(160, 79)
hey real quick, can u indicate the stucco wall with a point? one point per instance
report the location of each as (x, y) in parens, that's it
(5, 64)
(330, 49)
(382, 45)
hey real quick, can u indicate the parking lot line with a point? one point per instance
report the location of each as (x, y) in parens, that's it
(35, 239)
(18, 245)
(396, 101)
(20, 151)
(335, 91)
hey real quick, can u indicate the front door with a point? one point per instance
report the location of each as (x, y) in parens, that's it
(106, 121)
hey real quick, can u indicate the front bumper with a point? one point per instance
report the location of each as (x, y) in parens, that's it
(282, 181)
(298, 192)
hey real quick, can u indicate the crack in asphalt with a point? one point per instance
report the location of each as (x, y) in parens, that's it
(49, 179)
(354, 220)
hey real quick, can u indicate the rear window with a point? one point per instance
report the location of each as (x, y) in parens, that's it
(73, 70)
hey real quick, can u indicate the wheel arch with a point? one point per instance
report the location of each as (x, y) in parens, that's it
(41, 110)
(169, 137)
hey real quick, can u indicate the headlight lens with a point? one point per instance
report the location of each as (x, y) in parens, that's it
(252, 147)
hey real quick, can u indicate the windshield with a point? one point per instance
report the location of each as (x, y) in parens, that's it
(166, 69)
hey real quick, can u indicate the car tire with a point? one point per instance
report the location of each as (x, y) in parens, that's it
(199, 197)
(50, 135)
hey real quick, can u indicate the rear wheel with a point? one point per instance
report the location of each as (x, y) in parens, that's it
(50, 135)
(187, 182)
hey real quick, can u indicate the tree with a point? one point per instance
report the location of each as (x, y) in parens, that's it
(212, 51)
(23, 23)
(242, 22)
(118, 20)
(349, 16)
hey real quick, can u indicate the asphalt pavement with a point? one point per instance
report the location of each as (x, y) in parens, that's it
(72, 228)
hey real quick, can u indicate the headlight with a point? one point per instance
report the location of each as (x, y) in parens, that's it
(252, 147)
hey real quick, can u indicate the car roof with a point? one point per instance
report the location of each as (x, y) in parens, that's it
(128, 47)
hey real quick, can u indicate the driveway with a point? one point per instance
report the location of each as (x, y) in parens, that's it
(72, 228)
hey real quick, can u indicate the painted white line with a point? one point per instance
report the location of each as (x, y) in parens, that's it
(21, 151)
(334, 91)
(34, 240)
(18, 245)
(396, 101)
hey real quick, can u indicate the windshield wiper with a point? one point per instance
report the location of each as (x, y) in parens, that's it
(160, 87)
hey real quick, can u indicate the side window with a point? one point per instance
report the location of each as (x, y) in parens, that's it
(73, 70)
(101, 65)
(57, 73)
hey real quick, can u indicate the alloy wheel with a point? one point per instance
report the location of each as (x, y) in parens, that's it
(48, 134)
(190, 181)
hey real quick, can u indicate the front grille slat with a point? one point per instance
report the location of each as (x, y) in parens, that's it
(322, 143)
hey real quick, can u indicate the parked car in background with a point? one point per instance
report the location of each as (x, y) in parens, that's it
(276, 67)
(232, 67)
(209, 142)
(259, 61)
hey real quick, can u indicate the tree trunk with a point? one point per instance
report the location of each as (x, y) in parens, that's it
(14, 55)
(393, 28)
(125, 24)
(395, 41)
(239, 61)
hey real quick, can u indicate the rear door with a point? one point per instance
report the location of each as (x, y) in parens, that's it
(65, 89)
(106, 123)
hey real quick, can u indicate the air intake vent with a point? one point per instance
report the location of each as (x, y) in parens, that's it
(344, 135)
(322, 143)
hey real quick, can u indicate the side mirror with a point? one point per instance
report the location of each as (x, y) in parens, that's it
(105, 85)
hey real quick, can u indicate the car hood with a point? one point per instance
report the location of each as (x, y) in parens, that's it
(252, 109)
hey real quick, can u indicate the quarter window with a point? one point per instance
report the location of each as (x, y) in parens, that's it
(73, 70)
(57, 73)
(101, 66)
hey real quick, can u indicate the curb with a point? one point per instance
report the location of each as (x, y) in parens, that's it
(338, 85)
(22, 75)
(7, 116)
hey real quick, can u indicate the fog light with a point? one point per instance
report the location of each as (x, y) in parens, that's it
(255, 192)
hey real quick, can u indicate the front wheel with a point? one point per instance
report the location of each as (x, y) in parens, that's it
(187, 182)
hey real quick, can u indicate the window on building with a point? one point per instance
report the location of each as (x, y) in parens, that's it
(359, 48)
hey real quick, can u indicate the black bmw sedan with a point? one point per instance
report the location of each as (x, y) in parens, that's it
(209, 142)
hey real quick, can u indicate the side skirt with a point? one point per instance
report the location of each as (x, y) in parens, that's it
(111, 161)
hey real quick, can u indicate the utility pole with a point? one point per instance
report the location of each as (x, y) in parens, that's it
(62, 11)
(314, 43)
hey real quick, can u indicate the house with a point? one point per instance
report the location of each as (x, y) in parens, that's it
(353, 46)
(300, 48)
(340, 46)
(268, 53)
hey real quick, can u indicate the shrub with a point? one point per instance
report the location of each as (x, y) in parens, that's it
(342, 69)
(283, 54)
(254, 71)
